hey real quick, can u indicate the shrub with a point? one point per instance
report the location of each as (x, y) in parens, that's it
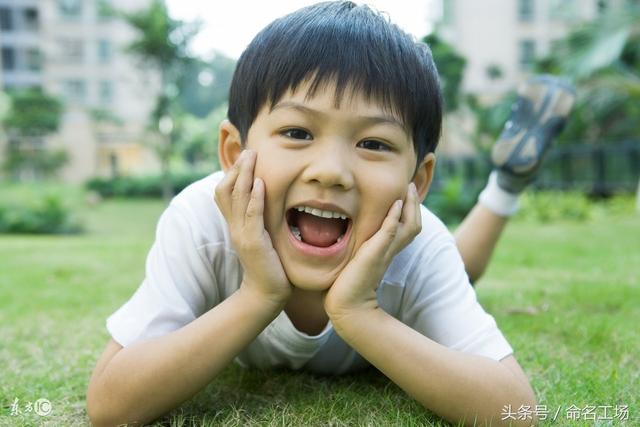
(549, 206)
(453, 201)
(47, 216)
(142, 186)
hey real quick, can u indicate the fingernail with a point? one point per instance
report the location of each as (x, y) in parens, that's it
(399, 203)
(413, 189)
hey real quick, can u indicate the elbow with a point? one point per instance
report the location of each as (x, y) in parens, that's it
(103, 412)
(97, 410)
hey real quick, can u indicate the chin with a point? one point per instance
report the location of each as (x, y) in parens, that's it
(311, 281)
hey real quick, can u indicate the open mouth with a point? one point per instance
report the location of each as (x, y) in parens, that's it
(316, 227)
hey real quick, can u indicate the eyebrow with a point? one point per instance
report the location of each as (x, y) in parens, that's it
(368, 119)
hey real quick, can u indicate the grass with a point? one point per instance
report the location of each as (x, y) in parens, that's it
(565, 295)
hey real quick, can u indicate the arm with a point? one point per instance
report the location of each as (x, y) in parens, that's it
(179, 364)
(457, 386)
(175, 366)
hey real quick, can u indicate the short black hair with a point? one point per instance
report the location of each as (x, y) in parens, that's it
(354, 46)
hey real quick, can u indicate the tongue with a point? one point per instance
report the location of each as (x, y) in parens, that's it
(318, 231)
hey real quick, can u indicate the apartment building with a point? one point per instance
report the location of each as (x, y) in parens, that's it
(501, 38)
(74, 49)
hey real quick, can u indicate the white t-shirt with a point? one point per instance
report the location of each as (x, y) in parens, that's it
(192, 267)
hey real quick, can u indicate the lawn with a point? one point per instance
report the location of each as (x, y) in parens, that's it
(565, 294)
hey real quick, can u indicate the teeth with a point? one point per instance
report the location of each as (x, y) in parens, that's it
(339, 238)
(296, 232)
(320, 212)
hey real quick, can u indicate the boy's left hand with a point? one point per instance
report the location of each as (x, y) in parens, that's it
(355, 287)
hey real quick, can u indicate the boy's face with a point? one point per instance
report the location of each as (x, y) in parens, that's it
(355, 160)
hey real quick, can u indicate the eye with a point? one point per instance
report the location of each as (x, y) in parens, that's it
(296, 133)
(372, 144)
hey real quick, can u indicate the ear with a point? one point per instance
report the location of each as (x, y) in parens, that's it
(229, 144)
(424, 175)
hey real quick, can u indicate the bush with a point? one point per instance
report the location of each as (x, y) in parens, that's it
(549, 206)
(453, 201)
(143, 186)
(47, 216)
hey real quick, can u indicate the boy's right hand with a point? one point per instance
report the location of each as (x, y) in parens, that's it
(241, 200)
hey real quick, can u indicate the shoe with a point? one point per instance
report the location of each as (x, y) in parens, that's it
(537, 116)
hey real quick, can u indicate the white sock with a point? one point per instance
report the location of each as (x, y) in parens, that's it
(497, 200)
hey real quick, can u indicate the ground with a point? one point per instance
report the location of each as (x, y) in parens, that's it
(565, 294)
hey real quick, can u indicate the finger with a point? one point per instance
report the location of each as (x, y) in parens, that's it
(255, 209)
(242, 188)
(411, 218)
(389, 228)
(408, 211)
(418, 210)
(222, 194)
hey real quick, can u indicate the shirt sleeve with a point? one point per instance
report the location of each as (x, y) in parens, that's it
(441, 304)
(173, 292)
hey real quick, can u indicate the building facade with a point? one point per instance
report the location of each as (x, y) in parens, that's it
(500, 39)
(75, 50)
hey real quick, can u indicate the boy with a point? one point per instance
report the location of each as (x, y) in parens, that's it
(316, 249)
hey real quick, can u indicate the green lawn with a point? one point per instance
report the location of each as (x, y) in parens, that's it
(566, 295)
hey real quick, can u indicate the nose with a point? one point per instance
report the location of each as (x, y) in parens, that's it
(330, 166)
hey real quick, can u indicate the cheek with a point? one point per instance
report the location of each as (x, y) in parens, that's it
(376, 204)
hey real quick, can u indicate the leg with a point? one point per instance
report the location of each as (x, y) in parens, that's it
(537, 117)
(476, 243)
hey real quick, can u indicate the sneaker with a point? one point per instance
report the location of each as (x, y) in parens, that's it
(537, 116)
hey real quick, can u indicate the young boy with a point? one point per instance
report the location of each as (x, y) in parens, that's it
(316, 253)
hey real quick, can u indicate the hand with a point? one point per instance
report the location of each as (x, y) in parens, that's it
(355, 287)
(241, 200)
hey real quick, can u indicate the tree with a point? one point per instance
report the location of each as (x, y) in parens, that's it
(204, 85)
(162, 45)
(197, 140)
(450, 67)
(603, 58)
(31, 117)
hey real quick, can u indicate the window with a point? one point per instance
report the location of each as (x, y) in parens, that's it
(6, 19)
(448, 11)
(106, 92)
(31, 19)
(563, 10)
(71, 51)
(75, 90)
(104, 9)
(34, 60)
(602, 6)
(527, 54)
(8, 58)
(70, 8)
(525, 10)
(104, 51)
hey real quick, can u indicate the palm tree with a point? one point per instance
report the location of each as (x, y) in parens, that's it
(603, 57)
(162, 45)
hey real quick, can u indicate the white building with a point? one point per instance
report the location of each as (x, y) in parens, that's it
(75, 49)
(501, 38)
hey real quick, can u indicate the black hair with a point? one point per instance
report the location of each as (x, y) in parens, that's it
(352, 45)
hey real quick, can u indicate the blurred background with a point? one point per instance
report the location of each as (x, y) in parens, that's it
(123, 97)
(110, 107)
